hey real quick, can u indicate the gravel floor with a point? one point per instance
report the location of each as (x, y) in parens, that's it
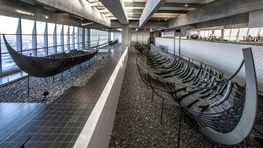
(137, 122)
(76, 76)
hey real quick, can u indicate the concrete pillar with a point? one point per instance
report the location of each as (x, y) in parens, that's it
(46, 39)
(78, 38)
(125, 37)
(73, 38)
(19, 37)
(62, 38)
(68, 38)
(109, 36)
(174, 40)
(83, 38)
(34, 39)
(55, 39)
(88, 37)
(256, 19)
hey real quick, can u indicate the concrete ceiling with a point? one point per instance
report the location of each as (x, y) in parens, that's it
(131, 8)
(172, 13)
(134, 9)
(178, 7)
(80, 8)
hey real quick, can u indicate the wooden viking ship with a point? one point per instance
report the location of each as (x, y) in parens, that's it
(224, 111)
(49, 65)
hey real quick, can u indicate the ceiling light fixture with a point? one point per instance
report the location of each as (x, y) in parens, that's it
(186, 5)
(86, 24)
(24, 12)
(46, 16)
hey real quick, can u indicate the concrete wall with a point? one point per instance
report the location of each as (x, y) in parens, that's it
(225, 57)
(102, 134)
(256, 19)
(97, 130)
(125, 37)
(236, 21)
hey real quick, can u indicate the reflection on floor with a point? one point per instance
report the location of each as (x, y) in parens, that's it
(12, 77)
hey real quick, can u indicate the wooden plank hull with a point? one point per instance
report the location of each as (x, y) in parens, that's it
(224, 111)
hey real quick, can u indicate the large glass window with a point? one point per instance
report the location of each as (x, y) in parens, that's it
(227, 34)
(8, 26)
(41, 26)
(202, 34)
(242, 33)
(104, 37)
(169, 34)
(261, 32)
(52, 48)
(72, 40)
(93, 37)
(218, 33)
(59, 39)
(86, 37)
(98, 37)
(27, 38)
(233, 35)
(253, 32)
(206, 33)
(75, 34)
(66, 38)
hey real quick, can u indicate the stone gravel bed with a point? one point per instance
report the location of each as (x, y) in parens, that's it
(79, 75)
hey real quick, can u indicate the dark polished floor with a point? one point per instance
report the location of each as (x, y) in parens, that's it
(59, 123)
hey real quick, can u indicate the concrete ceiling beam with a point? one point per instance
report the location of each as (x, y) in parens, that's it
(117, 9)
(150, 8)
(135, 25)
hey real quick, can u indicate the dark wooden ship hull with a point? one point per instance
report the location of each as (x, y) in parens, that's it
(49, 65)
(113, 42)
(225, 112)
